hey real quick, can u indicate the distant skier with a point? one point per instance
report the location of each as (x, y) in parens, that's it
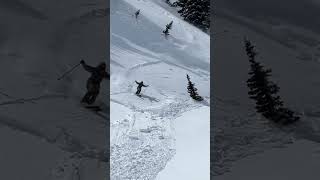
(137, 13)
(168, 26)
(93, 83)
(140, 85)
(166, 32)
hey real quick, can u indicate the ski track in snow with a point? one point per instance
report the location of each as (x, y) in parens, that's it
(74, 150)
(61, 136)
(144, 147)
(142, 130)
(41, 119)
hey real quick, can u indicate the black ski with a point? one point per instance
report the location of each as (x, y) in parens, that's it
(95, 108)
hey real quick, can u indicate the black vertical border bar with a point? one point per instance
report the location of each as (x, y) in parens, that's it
(108, 89)
(211, 87)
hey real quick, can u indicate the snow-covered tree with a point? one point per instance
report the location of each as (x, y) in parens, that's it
(193, 91)
(197, 12)
(264, 91)
(180, 3)
(171, 4)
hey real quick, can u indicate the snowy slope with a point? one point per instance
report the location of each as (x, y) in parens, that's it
(297, 161)
(191, 140)
(41, 120)
(292, 54)
(143, 129)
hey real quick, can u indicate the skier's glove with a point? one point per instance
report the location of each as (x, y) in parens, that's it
(82, 61)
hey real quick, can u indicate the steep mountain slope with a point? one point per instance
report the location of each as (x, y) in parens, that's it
(292, 53)
(40, 117)
(143, 132)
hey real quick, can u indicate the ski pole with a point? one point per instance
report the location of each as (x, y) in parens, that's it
(69, 71)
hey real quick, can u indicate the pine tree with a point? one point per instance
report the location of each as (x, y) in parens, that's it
(197, 12)
(171, 4)
(192, 90)
(264, 91)
(169, 26)
(180, 3)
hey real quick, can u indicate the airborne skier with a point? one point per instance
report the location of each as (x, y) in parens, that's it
(140, 85)
(93, 83)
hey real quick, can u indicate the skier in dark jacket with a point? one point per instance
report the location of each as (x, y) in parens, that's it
(137, 13)
(140, 85)
(93, 83)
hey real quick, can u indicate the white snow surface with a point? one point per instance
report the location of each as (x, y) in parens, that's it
(145, 137)
(45, 132)
(239, 132)
(192, 132)
(297, 161)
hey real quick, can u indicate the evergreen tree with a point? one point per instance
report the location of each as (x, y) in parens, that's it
(264, 92)
(197, 12)
(169, 26)
(192, 90)
(180, 3)
(171, 4)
